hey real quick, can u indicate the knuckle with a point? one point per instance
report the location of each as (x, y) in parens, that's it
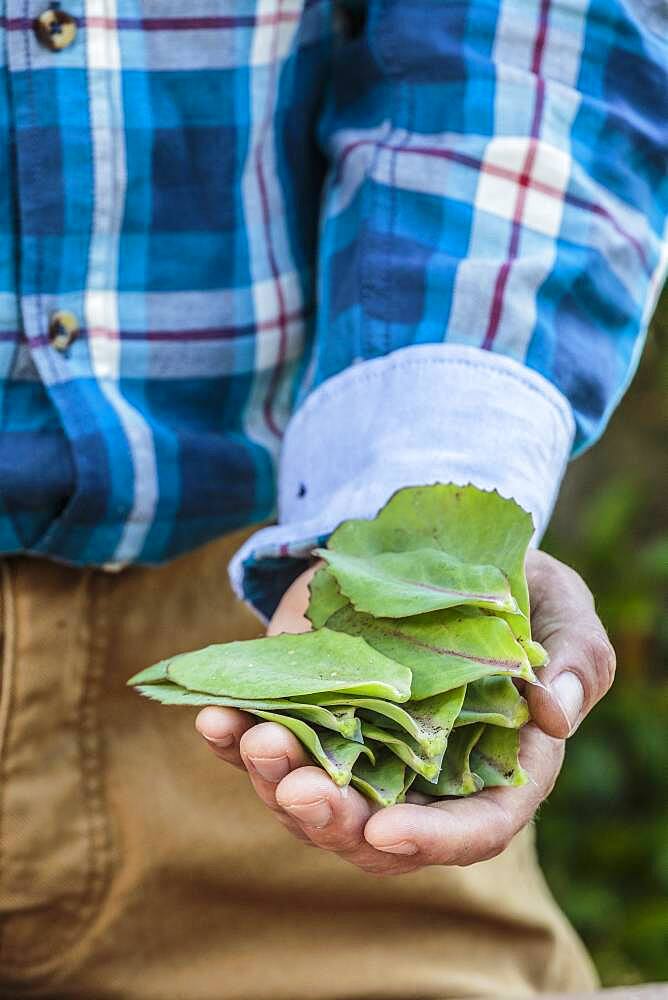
(601, 657)
(347, 844)
(504, 826)
(494, 836)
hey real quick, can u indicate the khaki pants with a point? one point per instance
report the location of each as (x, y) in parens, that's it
(135, 865)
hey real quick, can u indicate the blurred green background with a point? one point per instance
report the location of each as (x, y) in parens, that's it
(603, 834)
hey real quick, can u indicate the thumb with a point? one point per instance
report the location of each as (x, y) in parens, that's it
(581, 667)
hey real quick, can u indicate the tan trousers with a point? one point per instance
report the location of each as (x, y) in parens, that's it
(135, 865)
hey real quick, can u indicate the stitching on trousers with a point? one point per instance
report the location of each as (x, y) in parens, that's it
(98, 835)
(6, 695)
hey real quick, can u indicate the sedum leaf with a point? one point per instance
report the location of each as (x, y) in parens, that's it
(494, 700)
(383, 783)
(468, 524)
(157, 674)
(333, 752)
(282, 666)
(428, 722)
(325, 597)
(456, 777)
(443, 649)
(495, 758)
(536, 655)
(422, 623)
(341, 719)
(401, 584)
(409, 779)
(406, 749)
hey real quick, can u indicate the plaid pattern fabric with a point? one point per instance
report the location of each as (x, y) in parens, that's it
(241, 198)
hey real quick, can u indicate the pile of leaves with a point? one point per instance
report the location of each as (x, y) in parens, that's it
(420, 629)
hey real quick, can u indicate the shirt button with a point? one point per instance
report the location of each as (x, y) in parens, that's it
(55, 29)
(63, 329)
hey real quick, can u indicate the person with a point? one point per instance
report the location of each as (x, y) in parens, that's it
(292, 252)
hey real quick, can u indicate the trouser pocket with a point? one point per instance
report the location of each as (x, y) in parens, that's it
(54, 833)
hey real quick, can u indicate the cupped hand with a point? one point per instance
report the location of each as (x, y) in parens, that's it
(406, 837)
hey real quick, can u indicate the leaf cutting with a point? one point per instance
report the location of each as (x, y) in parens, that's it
(421, 629)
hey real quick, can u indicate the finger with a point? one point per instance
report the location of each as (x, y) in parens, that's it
(269, 753)
(289, 615)
(465, 831)
(581, 667)
(222, 728)
(334, 819)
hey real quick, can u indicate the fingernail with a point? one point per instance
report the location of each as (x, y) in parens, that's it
(270, 768)
(568, 692)
(401, 847)
(222, 741)
(316, 814)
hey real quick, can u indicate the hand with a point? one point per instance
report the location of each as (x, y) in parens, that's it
(406, 837)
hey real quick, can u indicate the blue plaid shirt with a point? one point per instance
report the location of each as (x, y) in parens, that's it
(232, 201)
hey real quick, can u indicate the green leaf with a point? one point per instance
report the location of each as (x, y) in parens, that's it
(468, 524)
(383, 782)
(409, 779)
(494, 700)
(401, 584)
(428, 721)
(536, 655)
(495, 758)
(443, 649)
(283, 666)
(340, 719)
(456, 777)
(333, 752)
(343, 719)
(156, 674)
(325, 597)
(406, 749)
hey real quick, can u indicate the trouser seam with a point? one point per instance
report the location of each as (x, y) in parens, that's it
(98, 835)
(6, 693)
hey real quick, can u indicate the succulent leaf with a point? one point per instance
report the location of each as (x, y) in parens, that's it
(340, 719)
(456, 777)
(324, 597)
(494, 700)
(428, 722)
(495, 758)
(443, 649)
(383, 782)
(402, 584)
(406, 749)
(283, 666)
(468, 524)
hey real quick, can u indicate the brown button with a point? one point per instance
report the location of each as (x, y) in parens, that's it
(63, 329)
(55, 29)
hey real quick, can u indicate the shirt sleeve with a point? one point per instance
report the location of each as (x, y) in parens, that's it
(493, 242)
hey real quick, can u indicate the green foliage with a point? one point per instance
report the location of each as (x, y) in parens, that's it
(443, 649)
(472, 526)
(402, 628)
(603, 835)
(401, 584)
(283, 666)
